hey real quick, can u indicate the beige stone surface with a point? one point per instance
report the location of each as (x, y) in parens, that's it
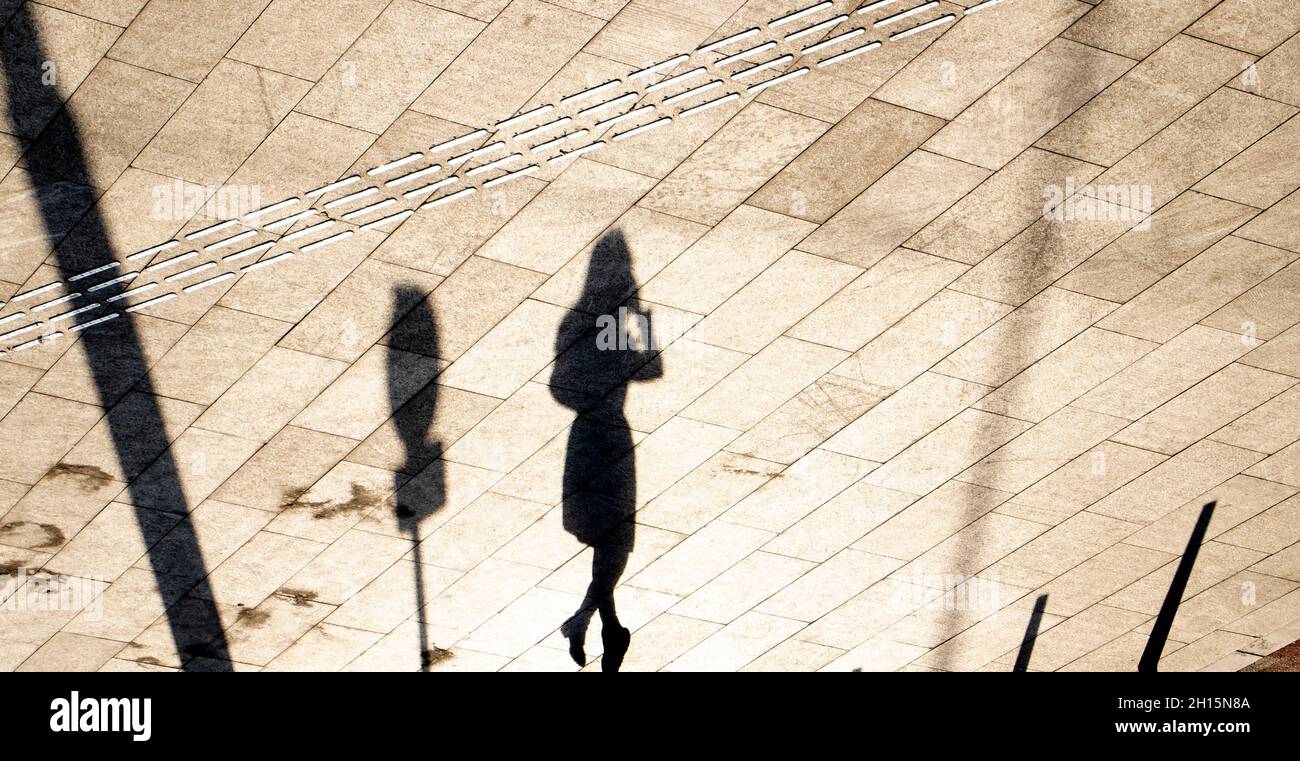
(902, 384)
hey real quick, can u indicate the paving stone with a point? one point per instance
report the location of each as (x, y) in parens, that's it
(724, 259)
(791, 363)
(389, 65)
(185, 40)
(984, 316)
(303, 40)
(521, 60)
(1253, 28)
(1028, 103)
(1273, 76)
(1134, 108)
(1213, 278)
(862, 233)
(268, 396)
(1136, 28)
(1140, 257)
(922, 84)
(217, 127)
(735, 645)
(836, 168)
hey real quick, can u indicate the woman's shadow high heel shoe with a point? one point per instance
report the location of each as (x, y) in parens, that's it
(575, 630)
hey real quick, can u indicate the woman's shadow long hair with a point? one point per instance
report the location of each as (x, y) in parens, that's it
(599, 468)
(413, 419)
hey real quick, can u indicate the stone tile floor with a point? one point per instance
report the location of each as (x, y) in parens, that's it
(950, 341)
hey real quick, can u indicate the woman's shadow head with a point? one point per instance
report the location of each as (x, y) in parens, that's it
(612, 328)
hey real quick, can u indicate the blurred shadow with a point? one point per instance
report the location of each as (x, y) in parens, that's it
(1031, 634)
(113, 350)
(413, 420)
(599, 467)
(1046, 241)
(1169, 610)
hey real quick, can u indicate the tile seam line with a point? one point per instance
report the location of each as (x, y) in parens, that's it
(1104, 168)
(44, 4)
(1155, 210)
(225, 56)
(872, 96)
(1201, 321)
(143, 147)
(1260, 343)
(818, 226)
(235, 271)
(529, 295)
(948, 122)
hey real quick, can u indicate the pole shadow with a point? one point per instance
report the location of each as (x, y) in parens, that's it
(1031, 634)
(413, 420)
(600, 469)
(113, 350)
(1044, 241)
(1169, 609)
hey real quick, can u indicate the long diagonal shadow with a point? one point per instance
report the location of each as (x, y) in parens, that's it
(1042, 242)
(113, 352)
(1169, 610)
(413, 421)
(599, 467)
(1031, 633)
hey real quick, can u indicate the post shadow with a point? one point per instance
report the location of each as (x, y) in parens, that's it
(1042, 240)
(599, 469)
(1031, 634)
(1169, 610)
(412, 420)
(113, 350)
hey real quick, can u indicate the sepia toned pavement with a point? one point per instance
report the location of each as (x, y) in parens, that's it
(929, 359)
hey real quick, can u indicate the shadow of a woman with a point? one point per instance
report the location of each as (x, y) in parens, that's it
(599, 467)
(412, 420)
